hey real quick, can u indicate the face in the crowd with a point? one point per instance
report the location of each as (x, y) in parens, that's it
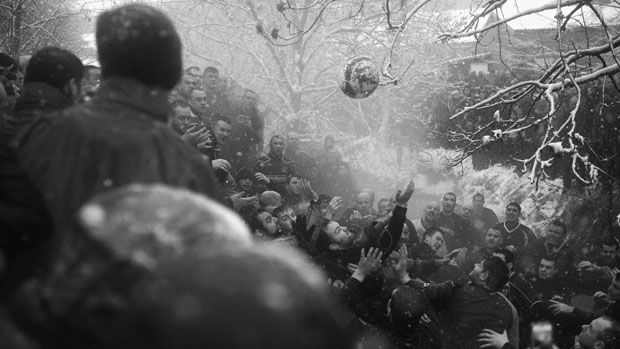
(246, 184)
(449, 202)
(294, 185)
(182, 118)
(189, 82)
(512, 213)
(339, 234)
(555, 234)
(286, 220)
(608, 253)
(384, 207)
(493, 238)
(431, 212)
(590, 333)
(222, 131)
(547, 269)
(478, 202)
(467, 212)
(434, 241)
(343, 169)
(211, 79)
(269, 223)
(363, 203)
(404, 239)
(250, 98)
(276, 145)
(198, 100)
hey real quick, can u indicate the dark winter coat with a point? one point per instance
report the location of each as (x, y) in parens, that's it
(277, 168)
(120, 137)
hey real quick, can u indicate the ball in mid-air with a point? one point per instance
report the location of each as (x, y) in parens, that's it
(361, 77)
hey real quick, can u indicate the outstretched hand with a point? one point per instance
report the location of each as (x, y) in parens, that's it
(401, 266)
(491, 339)
(560, 308)
(403, 197)
(368, 263)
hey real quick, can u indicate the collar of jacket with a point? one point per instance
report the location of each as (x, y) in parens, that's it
(38, 95)
(131, 92)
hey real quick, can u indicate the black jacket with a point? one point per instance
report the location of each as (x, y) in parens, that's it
(120, 137)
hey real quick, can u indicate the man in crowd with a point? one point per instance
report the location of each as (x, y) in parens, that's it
(602, 333)
(515, 233)
(470, 307)
(275, 165)
(263, 225)
(303, 162)
(522, 296)
(52, 83)
(125, 138)
(492, 241)
(610, 254)
(361, 214)
(340, 246)
(298, 190)
(458, 232)
(198, 104)
(550, 283)
(553, 243)
(429, 215)
(482, 218)
(216, 100)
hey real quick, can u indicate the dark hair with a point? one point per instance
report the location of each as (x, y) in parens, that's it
(245, 173)
(551, 258)
(515, 205)
(221, 117)
(210, 70)
(295, 175)
(139, 41)
(279, 210)
(430, 232)
(478, 195)
(450, 193)
(255, 223)
(508, 255)
(498, 272)
(274, 137)
(611, 242)
(406, 307)
(559, 223)
(54, 66)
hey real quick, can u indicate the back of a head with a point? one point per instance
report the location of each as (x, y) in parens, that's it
(406, 307)
(254, 299)
(268, 198)
(139, 41)
(498, 272)
(54, 66)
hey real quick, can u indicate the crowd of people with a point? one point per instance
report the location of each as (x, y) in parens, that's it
(145, 216)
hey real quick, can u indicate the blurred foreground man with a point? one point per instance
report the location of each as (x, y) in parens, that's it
(121, 136)
(153, 267)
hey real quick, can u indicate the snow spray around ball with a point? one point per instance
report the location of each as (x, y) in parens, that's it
(361, 77)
